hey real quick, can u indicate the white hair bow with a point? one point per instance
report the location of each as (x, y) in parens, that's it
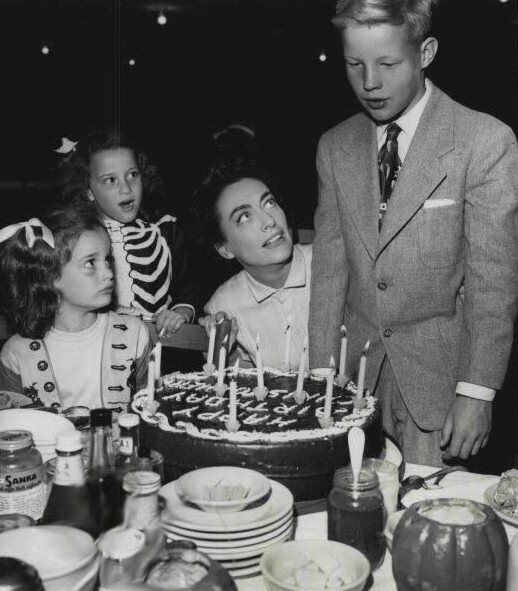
(67, 146)
(33, 229)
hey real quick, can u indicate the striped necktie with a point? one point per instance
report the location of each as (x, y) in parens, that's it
(389, 166)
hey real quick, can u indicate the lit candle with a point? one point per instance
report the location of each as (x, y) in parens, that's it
(158, 360)
(259, 363)
(361, 373)
(302, 366)
(287, 342)
(212, 342)
(232, 408)
(221, 363)
(343, 352)
(329, 389)
(151, 377)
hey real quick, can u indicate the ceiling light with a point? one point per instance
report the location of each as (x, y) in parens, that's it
(162, 19)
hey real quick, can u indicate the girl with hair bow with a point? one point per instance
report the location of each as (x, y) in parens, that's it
(56, 288)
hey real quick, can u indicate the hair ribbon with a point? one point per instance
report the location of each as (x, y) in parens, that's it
(33, 229)
(67, 146)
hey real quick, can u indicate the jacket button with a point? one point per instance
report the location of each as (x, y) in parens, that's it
(387, 332)
(382, 286)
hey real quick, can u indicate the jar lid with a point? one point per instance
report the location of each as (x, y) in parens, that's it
(69, 441)
(128, 420)
(15, 439)
(367, 479)
(101, 417)
(118, 543)
(141, 482)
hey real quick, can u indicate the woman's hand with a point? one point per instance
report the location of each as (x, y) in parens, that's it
(169, 321)
(213, 319)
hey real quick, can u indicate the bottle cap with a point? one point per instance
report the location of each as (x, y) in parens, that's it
(118, 543)
(101, 417)
(141, 482)
(128, 420)
(15, 439)
(69, 441)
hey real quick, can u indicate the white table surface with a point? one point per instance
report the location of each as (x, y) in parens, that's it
(313, 526)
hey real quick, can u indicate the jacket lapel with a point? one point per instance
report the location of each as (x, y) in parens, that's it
(422, 171)
(358, 180)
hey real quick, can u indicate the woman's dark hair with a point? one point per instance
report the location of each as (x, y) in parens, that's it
(73, 169)
(221, 174)
(28, 297)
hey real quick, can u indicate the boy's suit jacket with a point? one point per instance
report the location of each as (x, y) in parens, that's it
(437, 288)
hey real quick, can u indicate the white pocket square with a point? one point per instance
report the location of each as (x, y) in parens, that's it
(433, 203)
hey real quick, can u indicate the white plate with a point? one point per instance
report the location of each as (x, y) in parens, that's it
(239, 544)
(178, 514)
(489, 499)
(85, 582)
(248, 552)
(227, 536)
(43, 425)
(244, 572)
(240, 563)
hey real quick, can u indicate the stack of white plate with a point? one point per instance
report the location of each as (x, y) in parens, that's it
(236, 540)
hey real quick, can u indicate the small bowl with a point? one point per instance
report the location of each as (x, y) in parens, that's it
(314, 565)
(390, 526)
(223, 489)
(59, 553)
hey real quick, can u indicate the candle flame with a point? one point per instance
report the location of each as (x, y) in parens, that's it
(305, 343)
(344, 331)
(224, 341)
(257, 340)
(236, 365)
(367, 345)
(332, 364)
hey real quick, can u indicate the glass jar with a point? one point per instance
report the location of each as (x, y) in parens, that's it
(356, 515)
(22, 484)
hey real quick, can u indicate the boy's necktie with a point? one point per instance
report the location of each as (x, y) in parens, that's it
(389, 166)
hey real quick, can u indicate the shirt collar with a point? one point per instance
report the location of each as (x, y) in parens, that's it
(296, 278)
(410, 120)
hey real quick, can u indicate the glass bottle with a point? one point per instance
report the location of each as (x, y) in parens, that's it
(356, 515)
(129, 549)
(22, 485)
(127, 456)
(104, 489)
(69, 500)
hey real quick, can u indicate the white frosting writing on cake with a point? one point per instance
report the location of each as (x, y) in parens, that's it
(255, 419)
(284, 409)
(194, 398)
(261, 407)
(195, 382)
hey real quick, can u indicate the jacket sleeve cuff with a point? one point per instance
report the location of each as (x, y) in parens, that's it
(474, 391)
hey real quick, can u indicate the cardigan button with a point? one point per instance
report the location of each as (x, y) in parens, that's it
(49, 386)
(34, 346)
(42, 365)
(387, 332)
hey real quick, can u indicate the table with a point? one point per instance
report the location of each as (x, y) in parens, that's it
(313, 526)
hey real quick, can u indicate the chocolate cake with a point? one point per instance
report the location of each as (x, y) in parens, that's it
(278, 436)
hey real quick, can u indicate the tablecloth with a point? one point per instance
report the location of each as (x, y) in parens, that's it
(465, 485)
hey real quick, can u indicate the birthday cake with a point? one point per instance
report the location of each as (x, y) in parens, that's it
(287, 437)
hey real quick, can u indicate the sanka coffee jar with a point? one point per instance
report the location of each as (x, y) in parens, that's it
(22, 488)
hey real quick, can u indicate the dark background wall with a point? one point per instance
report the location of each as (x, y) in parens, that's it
(257, 60)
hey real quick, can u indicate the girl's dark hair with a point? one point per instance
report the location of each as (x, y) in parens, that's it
(221, 174)
(28, 297)
(73, 169)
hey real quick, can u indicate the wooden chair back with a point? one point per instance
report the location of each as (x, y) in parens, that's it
(189, 336)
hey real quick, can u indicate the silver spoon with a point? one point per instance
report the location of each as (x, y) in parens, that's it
(356, 441)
